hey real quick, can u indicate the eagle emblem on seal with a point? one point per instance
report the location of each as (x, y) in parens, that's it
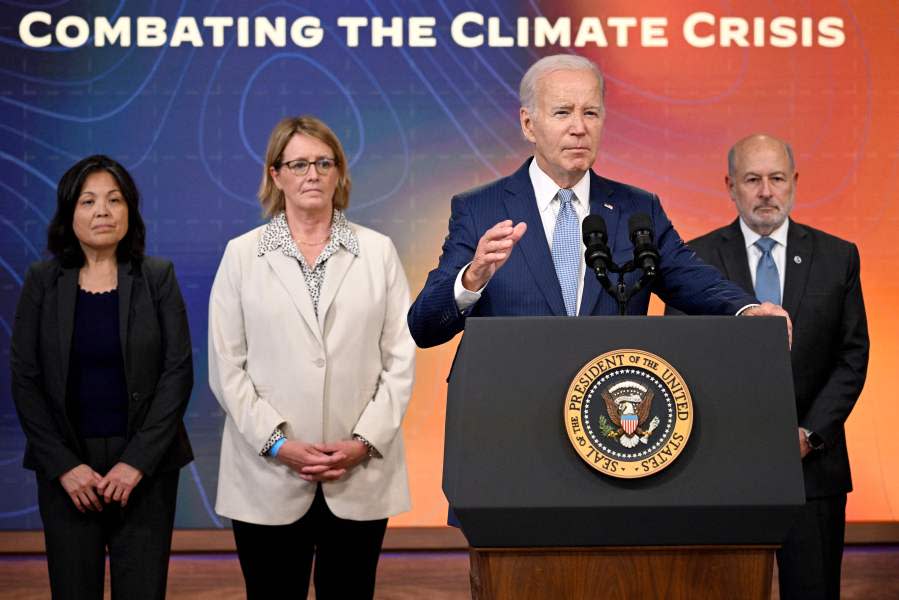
(628, 404)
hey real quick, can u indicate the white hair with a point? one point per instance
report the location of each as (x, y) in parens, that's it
(527, 91)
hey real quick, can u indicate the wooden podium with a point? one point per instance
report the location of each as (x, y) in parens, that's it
(543, 524)
(670, 572)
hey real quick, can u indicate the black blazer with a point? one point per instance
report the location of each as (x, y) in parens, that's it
(823, 296)
(156, 351)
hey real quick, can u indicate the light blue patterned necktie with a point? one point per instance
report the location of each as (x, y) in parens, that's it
(767, 279)
(566, 250)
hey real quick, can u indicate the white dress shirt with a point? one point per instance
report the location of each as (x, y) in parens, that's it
(778, 252)
(548, 204)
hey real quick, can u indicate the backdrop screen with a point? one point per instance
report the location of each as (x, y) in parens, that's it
(425, 102)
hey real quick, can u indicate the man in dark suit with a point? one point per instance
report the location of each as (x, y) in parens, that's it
(815, 276)
(540, 209)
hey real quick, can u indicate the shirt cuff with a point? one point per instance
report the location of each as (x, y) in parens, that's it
(372, 451)
(745, 308)
(269, 448)
(465, 298)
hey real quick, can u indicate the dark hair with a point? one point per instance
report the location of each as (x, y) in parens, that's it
(61, 240)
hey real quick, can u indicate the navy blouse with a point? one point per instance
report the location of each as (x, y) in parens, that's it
(97, 391)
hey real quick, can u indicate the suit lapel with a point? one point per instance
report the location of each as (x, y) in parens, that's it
(338, 265)
(799, 246)
(733, 257)
(67, 290)
(601, 198)
(291, 276)
(521, 205)
(125, 280)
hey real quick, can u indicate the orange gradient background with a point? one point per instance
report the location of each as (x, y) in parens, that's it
(672, 115)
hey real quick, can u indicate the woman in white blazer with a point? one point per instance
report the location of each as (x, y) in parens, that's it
(311, 358)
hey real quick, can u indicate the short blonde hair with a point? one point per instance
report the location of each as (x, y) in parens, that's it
(271, 198)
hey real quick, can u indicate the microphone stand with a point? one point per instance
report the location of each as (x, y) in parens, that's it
(619, 291)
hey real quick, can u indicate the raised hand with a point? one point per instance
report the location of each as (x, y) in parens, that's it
(494, 249)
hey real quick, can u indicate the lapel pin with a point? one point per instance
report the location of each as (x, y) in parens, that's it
(797, 259)
(607, 205)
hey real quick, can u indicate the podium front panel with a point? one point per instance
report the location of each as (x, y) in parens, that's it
(513, 478)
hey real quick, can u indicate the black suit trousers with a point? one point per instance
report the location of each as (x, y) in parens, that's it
(810, 559)
(137, 537)
(276, 560)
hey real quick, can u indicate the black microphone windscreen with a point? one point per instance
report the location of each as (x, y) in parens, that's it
(639, 221)
(594, 224)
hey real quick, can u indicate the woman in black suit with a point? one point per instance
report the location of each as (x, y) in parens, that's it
(101, 375)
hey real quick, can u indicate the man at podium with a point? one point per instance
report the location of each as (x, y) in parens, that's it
(514, 245)
(815, 276)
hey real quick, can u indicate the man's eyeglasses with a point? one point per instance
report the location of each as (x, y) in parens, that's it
(300, 167)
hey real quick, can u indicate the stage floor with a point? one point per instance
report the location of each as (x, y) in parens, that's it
(869, 573)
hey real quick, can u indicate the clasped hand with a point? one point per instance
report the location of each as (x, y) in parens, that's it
(85, 486)
(322, 462)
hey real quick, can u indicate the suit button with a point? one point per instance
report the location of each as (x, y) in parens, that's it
(135, 396)
(319, 362)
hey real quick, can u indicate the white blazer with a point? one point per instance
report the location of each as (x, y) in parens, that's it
(273, 363)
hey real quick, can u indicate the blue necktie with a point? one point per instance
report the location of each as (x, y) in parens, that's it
(767, 279)
(566, 250)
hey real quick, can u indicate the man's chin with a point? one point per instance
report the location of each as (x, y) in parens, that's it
(768, 223)
(578, 166)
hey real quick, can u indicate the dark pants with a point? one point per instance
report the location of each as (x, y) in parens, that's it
(276, 560)
(138, 536)
(810, 560)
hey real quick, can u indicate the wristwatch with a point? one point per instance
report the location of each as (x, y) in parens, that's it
(815, 441)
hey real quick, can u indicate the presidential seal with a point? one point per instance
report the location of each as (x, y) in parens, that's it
(628, 413)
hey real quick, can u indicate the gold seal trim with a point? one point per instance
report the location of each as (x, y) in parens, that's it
(627, 380)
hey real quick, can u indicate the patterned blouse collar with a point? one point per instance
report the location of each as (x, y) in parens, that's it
(276, 235)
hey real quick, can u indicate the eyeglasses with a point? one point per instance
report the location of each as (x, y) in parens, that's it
(301, 166)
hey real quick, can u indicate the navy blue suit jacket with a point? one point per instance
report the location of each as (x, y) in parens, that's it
(527, 284)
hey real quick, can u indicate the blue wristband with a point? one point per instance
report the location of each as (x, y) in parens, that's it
(273, 451)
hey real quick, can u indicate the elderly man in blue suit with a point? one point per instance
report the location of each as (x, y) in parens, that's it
(514, 244)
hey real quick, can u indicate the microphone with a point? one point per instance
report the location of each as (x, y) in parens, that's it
(646, 256)
(597, 255)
